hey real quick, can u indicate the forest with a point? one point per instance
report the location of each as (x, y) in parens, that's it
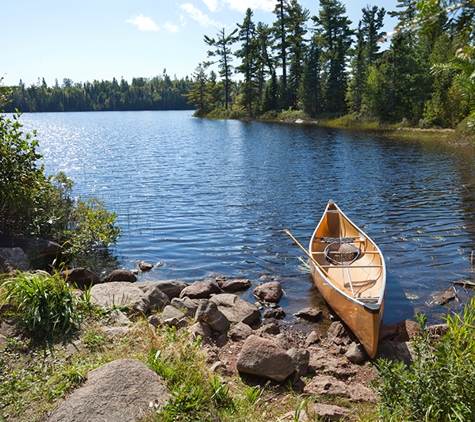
(420, 75)
(158, 93)
(322, 66)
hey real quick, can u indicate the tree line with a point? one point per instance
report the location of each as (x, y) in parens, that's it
(320, 65)
(158, 93)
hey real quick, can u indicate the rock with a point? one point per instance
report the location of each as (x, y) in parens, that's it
(393, 350)
(3, 341)
(275, 313)
(322, 361)
(155, 320)
(170, 312)
(440, 299)
(269, 292)
(81, 277)
(290, 416)
(10, 326)
(155, 297)
(172, 288)
(145, 266)
(313, 337)
(233, 285)
(236, 309)
(200, 290)
(209, 313)
(41, 253)
(356, 354)
(118, 391)
(116, 293)
(310, 314)
(330, 412)
(338, 334)
(120, 275)
(186, 305)
(119, 318)
(12, 259)
(241, 331)
(262, 357)
(269, 329)
(301, 359)
(284, 341)
(327, 385)
(201, 329)
(112, 332)
(438, 330)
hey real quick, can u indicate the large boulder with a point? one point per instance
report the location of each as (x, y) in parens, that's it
(209, 313)
(269, 292)
(12, 259)
(154, 295)
(120, 275)
(81, 277)
(236, 309)
(200, 290)
(116, 293)
(118, 391)
(172, 288)
(233, 285)
(262, 357)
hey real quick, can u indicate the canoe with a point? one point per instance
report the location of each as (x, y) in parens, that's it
(349, 271)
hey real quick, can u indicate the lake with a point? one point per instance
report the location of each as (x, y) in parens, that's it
(211, 197)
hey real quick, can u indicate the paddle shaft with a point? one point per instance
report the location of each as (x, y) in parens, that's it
(305, 250)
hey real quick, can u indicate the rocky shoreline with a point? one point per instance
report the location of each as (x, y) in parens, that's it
(251, 340)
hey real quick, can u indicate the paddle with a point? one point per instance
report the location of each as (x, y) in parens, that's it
(305, 250)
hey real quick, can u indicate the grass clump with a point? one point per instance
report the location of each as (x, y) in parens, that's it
(45, 303)
(439, 385)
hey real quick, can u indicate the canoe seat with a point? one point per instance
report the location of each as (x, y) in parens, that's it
(342, 253)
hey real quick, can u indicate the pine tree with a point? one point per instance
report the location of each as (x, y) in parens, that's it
(310, 93)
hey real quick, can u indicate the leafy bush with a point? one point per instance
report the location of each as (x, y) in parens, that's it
(46, 304)
(439, 385)
(35, 205)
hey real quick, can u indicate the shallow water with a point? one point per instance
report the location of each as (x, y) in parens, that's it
(211, 197)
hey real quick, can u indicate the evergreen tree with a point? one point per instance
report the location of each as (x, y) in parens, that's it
(297, 30)
(310, 93)
(334, 33)
(270, 101)
(249, 55)
(368, 35)
(198, 94)
(223, 51)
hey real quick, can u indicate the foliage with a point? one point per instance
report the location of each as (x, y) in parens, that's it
(439, 385)
(158, 93)
(46, 304)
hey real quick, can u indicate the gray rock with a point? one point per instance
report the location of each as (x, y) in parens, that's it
(145, 266)
(301, 359)
(310, 314)
(241, 331)
(233, 285)
(10, 326)
(313, 337)
(275, 313)
(269, 292)
(200, 290)
(356, 354)
(330, 412)
(172, 288)
(262, 357)
(155, 297)
(393, 350)
(201, 329)
(236, 309)
(186, 305)
(170, 312)
(119, 318)
(118, 391)
(440, 299)
(12, 259)
(155, 320)
(81, 277)
(268, 329)
(209, 313)
(117, 293)
(338, 334)
(323, 362)
(120, 275)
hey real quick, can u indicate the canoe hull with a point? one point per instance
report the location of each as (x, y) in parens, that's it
(355, 291)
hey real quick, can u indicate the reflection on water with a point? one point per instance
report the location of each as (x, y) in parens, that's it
(212, 197)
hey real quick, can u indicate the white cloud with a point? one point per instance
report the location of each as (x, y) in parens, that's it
(199, 16)
(211, 4)
(171, 27)
(143, 23)
(243, 5)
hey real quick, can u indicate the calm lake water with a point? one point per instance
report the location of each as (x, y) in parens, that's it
(208, 197)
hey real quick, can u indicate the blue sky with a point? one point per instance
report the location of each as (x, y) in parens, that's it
(102, 39)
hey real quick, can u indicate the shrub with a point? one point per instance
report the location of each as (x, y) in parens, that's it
(439, 385)
(35, 205)
(45, 304)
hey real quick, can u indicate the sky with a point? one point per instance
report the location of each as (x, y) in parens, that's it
(91, 40)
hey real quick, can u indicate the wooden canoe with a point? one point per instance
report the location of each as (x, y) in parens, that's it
(349, 271)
